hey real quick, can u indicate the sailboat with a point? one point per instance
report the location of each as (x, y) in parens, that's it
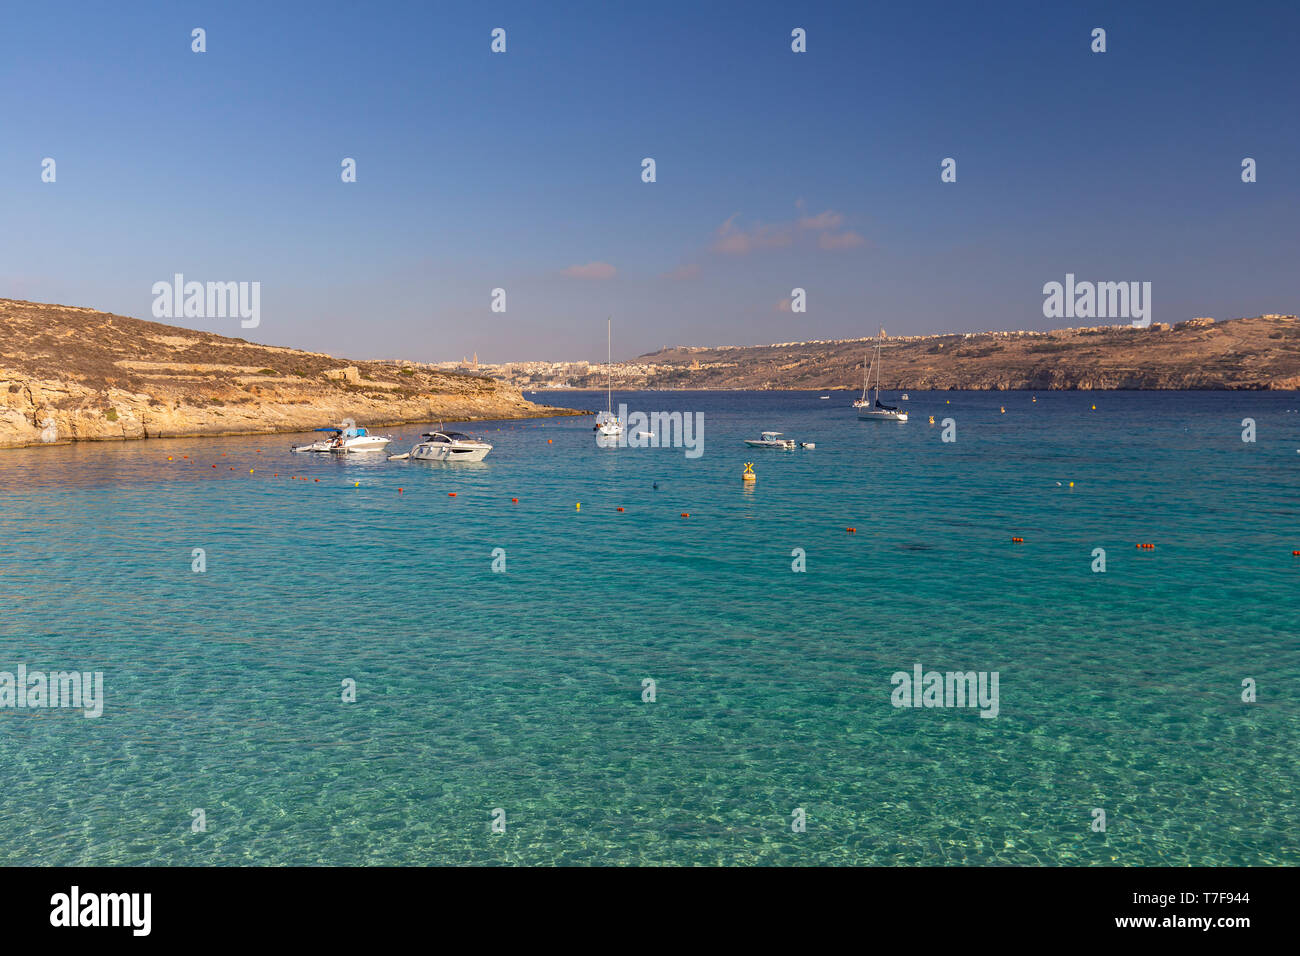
(876, 410)
(607, 424)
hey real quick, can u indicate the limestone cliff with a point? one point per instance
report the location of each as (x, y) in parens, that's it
(75, 374)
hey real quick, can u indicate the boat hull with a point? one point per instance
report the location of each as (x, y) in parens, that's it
(348, 447)
(879, 415)
(441, 451)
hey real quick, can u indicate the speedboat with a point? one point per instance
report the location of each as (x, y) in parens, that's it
(449, 446)
(346, 439)
(771, 440)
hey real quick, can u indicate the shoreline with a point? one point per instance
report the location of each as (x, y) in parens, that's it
(554, 412)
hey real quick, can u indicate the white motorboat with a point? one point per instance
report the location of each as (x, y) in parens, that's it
(874, 409)
(449, 446)
(345, 440)
(824, 397)
(607, 423)
(771, 440)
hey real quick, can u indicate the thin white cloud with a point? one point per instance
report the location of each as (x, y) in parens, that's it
(592, 270)
(840, 240)
(733, 239)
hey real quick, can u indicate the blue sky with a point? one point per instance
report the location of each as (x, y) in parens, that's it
(775, 170)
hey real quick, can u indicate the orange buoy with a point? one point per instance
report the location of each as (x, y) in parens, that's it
(550, 441)
(451, 494)
(851, 530)
(686, 514)
(515, 500)
(620, 509)
(318, 480)
(1018, 540)
(1296, 553)
(399, 491)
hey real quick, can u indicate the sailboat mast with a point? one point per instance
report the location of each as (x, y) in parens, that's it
(882, 332)
(609, 364)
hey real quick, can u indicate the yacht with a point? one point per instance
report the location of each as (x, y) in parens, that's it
(875, 409)
(770, 440)
(448, 446)
(346, 439)
(607, 423)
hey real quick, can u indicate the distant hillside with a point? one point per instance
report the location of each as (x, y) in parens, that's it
(76, 374)
(1255, 353)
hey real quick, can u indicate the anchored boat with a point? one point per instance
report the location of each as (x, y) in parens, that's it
(771, 440)
(449, 446)
(607, 424)
(346, 439)
(875, 410)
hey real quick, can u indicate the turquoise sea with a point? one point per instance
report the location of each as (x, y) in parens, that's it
(522, 690)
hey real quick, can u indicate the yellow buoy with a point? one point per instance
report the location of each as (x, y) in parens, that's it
(1003, 409)
(748, 474)
(578, 506)
(931, 419)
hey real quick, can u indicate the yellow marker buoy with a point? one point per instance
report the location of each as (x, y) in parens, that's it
(1094, 408)
(1003, 409)
(748, 473)
(578, 506)
(931, 419)
(1071, 484)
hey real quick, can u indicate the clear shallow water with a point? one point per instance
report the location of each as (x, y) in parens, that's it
(522, 690)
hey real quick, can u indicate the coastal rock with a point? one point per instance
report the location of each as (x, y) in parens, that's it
(74, 374)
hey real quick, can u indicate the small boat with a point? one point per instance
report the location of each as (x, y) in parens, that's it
(876, 410)
(824, 397)
(904, 397)
(346, 439)
(771, 440)
(607, 424)
(449, 446)
(807, 444)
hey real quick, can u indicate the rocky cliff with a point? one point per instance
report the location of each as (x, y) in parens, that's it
(1251, 353)
(76, 374)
